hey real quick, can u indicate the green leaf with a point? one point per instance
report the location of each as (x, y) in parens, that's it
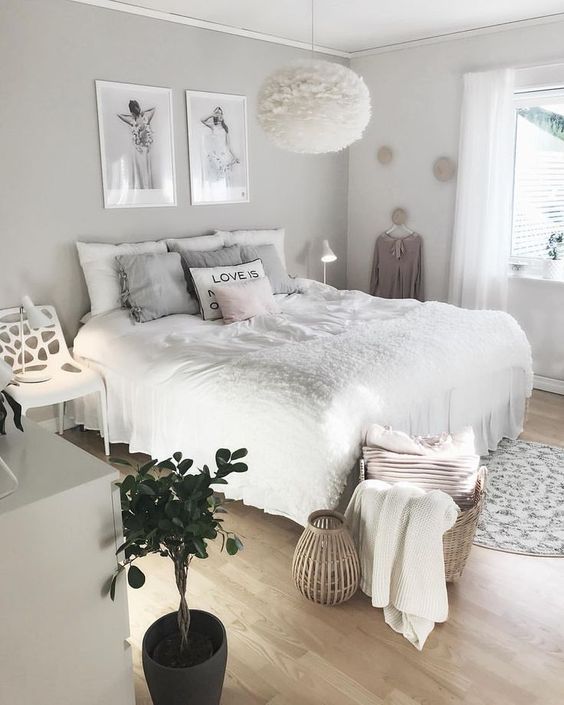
(135, 577)
(239, 467)
(113, 582)
(124, 545)
(185, 465)
(241, 453)
(144, 488)
(166, 465)
(222, 456)
(16, 411)
(173, 508)
(219, 481)
(113, 587)
(127, 484)
(144, 469)
(231, 546)
(200, 547)
(177, 456)
(177, 522)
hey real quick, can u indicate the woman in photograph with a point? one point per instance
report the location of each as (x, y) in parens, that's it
(219, 159)
(139, 122)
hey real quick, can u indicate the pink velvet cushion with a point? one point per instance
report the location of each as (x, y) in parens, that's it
(243, 300)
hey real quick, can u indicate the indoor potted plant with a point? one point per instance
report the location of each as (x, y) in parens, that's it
(553, 268)
(169, 510)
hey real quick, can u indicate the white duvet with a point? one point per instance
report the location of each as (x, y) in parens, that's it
(297, 389)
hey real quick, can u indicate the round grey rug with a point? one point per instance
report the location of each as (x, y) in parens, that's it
(524, 508)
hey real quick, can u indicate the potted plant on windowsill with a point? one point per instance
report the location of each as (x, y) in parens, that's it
(169, 510)
(553, 266)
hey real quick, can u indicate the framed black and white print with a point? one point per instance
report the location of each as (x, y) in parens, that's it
(217, 143)
(136, 145)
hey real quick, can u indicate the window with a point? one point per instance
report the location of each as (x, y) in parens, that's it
(538, 204)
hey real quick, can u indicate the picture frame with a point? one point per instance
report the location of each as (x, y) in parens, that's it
(136, 145)
(217, 148)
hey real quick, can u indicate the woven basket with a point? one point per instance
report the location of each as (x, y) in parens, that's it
(326, 567)
(457, 541)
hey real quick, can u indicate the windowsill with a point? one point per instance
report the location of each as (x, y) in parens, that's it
(536, 277)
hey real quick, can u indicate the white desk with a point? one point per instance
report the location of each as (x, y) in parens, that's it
(62, 639)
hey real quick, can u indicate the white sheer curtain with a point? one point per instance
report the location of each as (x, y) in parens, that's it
(482, 226)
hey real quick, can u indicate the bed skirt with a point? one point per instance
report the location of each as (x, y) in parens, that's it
(495, 408)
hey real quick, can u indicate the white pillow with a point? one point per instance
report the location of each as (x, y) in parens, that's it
(206, 278)
(256, 237)
(98, 261)
(200, 243)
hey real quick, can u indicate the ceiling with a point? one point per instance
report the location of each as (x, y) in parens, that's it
(352, 25)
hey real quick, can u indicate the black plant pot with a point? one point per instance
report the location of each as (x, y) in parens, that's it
(195, 685)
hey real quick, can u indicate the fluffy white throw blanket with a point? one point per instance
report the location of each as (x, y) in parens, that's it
(399, 533)
(446, 346)
(333, 386)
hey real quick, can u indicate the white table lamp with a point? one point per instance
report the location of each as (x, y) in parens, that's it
(327, 255)
(36, 318)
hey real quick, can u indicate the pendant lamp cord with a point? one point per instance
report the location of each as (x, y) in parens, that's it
(312, 43)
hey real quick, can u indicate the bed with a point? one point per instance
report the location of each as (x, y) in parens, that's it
(298, 388)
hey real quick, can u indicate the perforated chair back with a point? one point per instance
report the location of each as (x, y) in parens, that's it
(45, 348)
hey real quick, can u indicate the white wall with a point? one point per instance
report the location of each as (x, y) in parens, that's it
(51, 52)
(416, 95)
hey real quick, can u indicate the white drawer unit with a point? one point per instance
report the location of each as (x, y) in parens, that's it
(63, 640)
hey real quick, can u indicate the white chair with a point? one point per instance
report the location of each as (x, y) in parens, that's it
(46, 351)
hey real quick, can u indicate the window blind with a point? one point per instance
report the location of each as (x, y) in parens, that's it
(538, 198)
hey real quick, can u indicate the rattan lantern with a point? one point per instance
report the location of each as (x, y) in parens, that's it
(326, 568)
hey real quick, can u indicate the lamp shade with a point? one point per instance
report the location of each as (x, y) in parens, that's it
(313, 107)
(6, 374)
(35, 316)
(327, 254)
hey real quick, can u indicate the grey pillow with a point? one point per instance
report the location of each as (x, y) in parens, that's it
(273, 267)
(223, 257)
(153, 286)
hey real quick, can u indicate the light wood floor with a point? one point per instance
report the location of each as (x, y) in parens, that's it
(503, 643)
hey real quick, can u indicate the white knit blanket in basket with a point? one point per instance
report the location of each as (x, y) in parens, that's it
(399, 534)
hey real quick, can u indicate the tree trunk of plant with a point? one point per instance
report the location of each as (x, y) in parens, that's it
(181, 575)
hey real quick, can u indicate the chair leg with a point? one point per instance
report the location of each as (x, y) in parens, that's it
(61, 417)
(103, 420)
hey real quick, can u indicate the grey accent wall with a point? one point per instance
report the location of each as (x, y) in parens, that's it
(51, 52)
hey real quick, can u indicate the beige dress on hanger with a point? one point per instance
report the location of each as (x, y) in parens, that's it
(396, 269)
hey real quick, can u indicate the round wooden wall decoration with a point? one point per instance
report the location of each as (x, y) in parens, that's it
(399, 216)
(385, 155)
(444, 169)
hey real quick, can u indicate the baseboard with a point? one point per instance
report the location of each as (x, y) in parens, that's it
(52, 424)
(546, 384)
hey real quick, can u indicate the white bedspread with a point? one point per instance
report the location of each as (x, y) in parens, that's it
(297, 389)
